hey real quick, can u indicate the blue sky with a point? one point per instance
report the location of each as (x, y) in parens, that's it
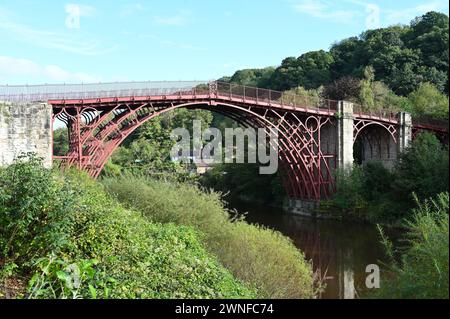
(70, 41)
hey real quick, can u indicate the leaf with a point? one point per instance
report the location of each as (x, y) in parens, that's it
(62, 275)
(93, 291)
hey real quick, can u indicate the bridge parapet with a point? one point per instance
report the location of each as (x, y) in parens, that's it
(230, 91)
(430, 123)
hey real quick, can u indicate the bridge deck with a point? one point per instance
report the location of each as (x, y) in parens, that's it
(99, 94)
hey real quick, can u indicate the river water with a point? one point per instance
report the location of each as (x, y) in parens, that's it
(339, 250)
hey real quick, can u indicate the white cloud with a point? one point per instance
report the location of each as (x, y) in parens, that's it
(16, 67)
(172, 21)
(175, 20)
(51, 40)
(324, 10)
(407, 14)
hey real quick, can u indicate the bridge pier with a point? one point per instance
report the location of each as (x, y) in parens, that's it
(25, 127)
(405, 131)
(345, 133)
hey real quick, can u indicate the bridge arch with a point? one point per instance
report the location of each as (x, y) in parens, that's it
(375, 141)
(96, 134)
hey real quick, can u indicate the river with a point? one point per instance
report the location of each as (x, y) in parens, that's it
(339, 250)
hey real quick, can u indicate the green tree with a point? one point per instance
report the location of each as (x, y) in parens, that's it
(366, 96)
(429, 33)
(253, 77)
(422, 169)
(346, 88)
(348, 58)
(427, 100)
(310, 71)
(60, 142)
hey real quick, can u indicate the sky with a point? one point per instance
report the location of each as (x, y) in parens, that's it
(54, 41)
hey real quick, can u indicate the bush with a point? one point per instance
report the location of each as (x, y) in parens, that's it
(423, 270)
(243, 182)
(261, 258)
(74, 241)
(422, 169)
(373, 192)
(428, 100)
(266, 260)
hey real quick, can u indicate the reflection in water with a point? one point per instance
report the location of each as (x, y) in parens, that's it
(339, 250)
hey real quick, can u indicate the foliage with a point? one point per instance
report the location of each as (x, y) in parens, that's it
(366, 94)
(147, 151)
(268, 261)
(252, 77)
(60, 142)
(422, 169)
(302, 96)
(251, 253)
(427, 100)
(423, 270)
(375, 193)
(244, 182)
(74, 241)
(402, 56)
(310, 71)
(345, 88)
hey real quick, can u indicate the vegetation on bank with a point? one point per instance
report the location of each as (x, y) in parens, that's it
(423, 270)
(243, 182)
(62, 236)
(375, 193)
(262, 258)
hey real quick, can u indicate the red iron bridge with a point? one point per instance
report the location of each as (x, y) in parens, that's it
(315, 136)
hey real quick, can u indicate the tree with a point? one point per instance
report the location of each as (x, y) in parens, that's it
(253, 77)
(422, 169)
(345, 88)
(310, 71)
(430, 34)
(366, 94)
(60, 142)
(348, 58)
(427, 100)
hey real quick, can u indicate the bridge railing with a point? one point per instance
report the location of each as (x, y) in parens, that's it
(34, 93)
(383, 114)
(431, 123)
(272, 97)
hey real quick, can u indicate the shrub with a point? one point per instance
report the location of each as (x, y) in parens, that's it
(373, 192)
(423, 270)
(73, 240)
(263, 259)
(422, 169)
(266, 260)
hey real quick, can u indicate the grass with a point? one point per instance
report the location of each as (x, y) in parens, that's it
(423, 270)
(67, 238)
(262, 258)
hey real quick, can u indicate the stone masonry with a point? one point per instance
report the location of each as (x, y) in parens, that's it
(25, 127)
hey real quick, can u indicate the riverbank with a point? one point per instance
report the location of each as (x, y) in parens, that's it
(253, 254)
(64, 237)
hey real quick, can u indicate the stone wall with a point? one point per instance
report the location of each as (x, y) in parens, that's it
(25, 127)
